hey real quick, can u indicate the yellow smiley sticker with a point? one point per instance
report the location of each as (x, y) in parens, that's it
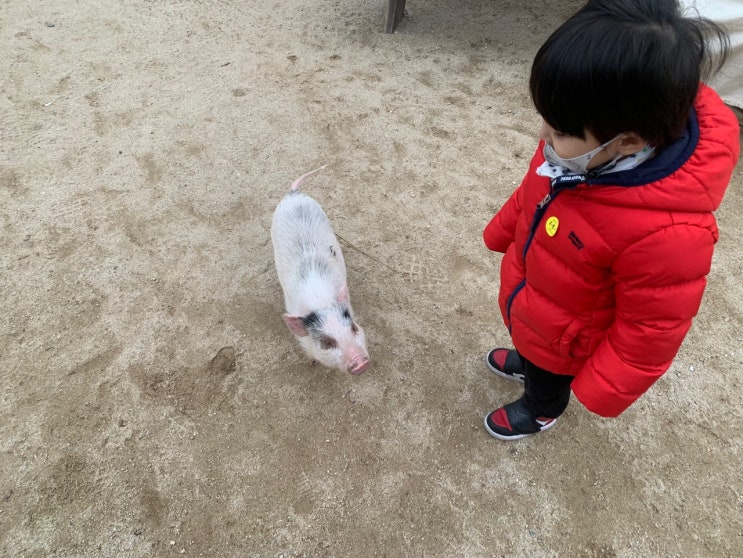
(551, 226)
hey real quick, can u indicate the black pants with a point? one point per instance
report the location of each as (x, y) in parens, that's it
(545, 394)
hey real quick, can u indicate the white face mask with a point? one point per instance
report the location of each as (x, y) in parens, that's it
(577, 164)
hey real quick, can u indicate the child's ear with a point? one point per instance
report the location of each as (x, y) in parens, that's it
(630, 143)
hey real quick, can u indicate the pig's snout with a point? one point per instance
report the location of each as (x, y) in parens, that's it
(359, 366)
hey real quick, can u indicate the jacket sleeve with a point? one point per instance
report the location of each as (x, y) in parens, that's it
(500, 232)
(659, 282)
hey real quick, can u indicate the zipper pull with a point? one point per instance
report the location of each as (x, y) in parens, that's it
(544, 202)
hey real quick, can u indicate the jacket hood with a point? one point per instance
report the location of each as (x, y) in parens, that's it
(691, 174)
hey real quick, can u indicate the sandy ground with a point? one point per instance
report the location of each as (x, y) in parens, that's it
(152, 401)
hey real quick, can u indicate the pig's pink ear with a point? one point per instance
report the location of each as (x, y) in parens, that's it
(296, 324)
(343, 293)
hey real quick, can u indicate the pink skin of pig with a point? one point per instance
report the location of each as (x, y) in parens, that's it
(312, 273)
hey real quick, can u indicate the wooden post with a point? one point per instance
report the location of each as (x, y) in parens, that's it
(395, 11)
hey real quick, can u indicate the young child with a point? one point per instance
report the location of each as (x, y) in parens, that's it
(609, 237)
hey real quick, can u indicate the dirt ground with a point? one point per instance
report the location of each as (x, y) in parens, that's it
(153, 403)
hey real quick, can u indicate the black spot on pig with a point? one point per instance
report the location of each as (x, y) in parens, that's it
(312, 321)
(346, 314)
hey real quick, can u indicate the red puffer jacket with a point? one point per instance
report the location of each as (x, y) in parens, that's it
(602, 275)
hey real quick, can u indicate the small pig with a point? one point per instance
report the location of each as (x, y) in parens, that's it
(312, 273)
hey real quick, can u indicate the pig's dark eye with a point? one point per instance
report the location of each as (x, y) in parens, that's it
(327, 343)
(354, 328)
(347, 314)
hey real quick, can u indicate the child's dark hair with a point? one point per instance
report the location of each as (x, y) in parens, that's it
(625, 66)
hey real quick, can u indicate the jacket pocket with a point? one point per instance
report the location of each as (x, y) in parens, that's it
(573, 342)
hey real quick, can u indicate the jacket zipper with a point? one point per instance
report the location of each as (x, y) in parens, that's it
(557, 186)
(538, 214)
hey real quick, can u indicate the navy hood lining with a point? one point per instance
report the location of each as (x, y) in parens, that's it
(666, 162)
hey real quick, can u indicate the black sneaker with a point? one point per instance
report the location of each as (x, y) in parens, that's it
(514, 421)
(506, 363)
